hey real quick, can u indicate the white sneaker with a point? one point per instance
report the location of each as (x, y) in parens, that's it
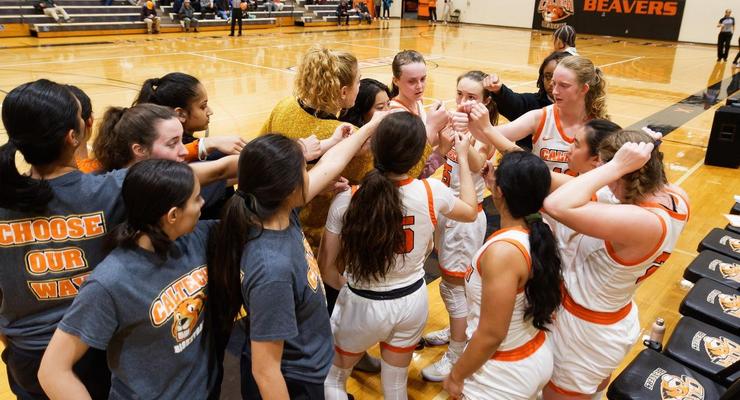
(438, 338)
(438, 371)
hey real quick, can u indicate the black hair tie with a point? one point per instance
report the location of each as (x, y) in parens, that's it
(249, 200)
(380, 168)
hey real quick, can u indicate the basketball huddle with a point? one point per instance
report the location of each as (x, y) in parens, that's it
(124, 271)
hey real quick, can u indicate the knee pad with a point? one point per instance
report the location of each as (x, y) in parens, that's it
(394, 381)
(454, 298)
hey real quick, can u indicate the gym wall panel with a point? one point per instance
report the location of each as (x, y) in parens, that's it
(513, 13)
(700, 19)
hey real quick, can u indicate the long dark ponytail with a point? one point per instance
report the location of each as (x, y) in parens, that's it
(37, 116)
(524, 180)
(270, 169)
(368, 250)
(151, 188)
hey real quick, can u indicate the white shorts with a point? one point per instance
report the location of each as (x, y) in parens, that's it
(359, 323)
(587, 353)
(457, 242)
(511, 380)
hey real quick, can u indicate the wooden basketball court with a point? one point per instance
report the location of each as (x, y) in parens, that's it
(648, 81)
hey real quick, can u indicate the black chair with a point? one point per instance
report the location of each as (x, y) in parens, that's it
(714, 266)
(654, 376)
(713, 303)
(723, 242)
(704, 348)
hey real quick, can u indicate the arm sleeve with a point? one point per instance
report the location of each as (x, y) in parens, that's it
(335, 219)
(92, 316)
(272, 312)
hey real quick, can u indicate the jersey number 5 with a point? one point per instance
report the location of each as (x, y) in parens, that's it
(408, 243)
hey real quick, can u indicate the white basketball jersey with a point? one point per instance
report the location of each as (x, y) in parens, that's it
(599, 280)
(551, 143)
(451, 176)
(423, 201)
(520, 331)
(397, 105)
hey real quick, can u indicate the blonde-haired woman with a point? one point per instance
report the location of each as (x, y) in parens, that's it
(327, 82)
(579, 91)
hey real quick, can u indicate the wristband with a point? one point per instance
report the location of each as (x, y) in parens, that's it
(202, 153)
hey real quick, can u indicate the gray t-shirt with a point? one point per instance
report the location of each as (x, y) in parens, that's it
(728, 23)
(45, 258)
(285, 300)
(149, 316)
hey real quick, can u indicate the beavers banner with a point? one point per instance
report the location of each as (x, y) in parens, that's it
(650, 19)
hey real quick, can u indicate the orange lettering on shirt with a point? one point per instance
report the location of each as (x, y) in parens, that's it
(40, 262)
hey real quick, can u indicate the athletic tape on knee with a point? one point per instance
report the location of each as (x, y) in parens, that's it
(335, 385)
(394, 381)
(454, 298)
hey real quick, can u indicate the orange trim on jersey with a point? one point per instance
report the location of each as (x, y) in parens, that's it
(597, 317)
(613, 255)
(480, 207)
(403, 182)
(685, 200)
(430, 201)
(673, 214)
(88, 165)
(454, 274)
(384, 345)
(523, 351)
(559, 126)
(353, 189)
(511, 228)
(540, 126)
(563, 391)
(345, 352)
(192, 149)
(394, 101)
(510, 241)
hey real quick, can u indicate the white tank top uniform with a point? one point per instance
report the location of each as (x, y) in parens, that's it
(394, 104)
(551, 143)
(456, 242)
(523, 363)
(392, 311)
(598, 322)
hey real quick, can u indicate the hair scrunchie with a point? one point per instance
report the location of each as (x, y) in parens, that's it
(534, 217)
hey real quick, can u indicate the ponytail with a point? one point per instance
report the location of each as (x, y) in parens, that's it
(20, 192)
(368, 250)
(543, 287)
(38, 116)
(127, 234)
(524, 180)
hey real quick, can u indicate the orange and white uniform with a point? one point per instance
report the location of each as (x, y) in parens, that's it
(598, 322)
(457, 242)
(550, 142)
(523, 363)
(358, 321)
(394, 104)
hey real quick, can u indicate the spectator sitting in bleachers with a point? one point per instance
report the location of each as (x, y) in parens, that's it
(50, 9)
(222, 9)
(364, 12)
(187, 15)
(274, 5)
(343, 11)
(149, 15)
(207, 7)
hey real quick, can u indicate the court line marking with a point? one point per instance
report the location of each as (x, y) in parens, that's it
(241, 63)
(688, 173)
(684, 252)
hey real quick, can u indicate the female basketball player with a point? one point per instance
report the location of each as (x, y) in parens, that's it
(578, 89)
(53, 221)
(372, 96)
(145, 303)
(379, 237)
(606, 261)
(457, 242)
(188, 97)
(513, 289)
(564, 39)
(87, 115)
(259, 257)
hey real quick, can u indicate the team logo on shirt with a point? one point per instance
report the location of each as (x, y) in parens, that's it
(730, 304)
(721, 351)
(684, 387)
(730, 271)
(313, 274)
(183, 302)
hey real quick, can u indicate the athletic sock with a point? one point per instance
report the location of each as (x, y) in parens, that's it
(394, 381)
(335, 385)
(597, 395)
(456, 348)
